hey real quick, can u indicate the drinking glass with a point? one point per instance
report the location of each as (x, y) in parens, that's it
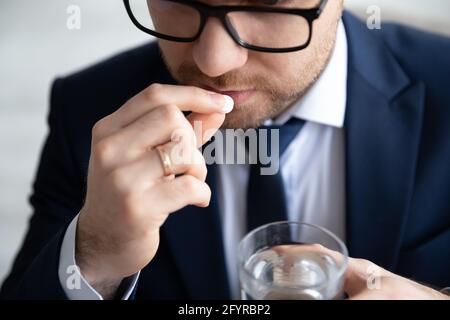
(291, 261)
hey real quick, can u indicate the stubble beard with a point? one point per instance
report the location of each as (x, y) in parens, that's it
(272, 99)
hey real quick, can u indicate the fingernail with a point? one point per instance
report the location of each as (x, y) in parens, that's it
(226, 102)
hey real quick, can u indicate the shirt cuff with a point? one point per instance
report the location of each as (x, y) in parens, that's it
(74, 284)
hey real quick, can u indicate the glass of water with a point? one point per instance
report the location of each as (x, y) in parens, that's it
(291, 261)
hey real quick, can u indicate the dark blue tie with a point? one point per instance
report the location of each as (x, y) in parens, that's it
(266, 200)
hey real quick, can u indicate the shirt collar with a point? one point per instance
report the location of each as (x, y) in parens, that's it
(326, 100)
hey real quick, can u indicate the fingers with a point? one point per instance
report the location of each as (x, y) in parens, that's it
(172, 195)
(184, 158)
(154, 128)
(291, 252)
(209, 124)
(356, 276)
(168, 121)
(359, 272)
(186, 98)
(158, 127)
(136, 154)
(366, 295)
(148, 170)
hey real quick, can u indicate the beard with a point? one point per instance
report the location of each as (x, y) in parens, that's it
(274, 93)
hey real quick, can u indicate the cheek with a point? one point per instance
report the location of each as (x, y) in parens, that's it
(284, 68)
(175, 53)
(325, 26)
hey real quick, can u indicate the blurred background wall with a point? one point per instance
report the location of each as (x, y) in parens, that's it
(36, 46)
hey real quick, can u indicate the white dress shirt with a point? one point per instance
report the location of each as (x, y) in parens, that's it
(312, 167)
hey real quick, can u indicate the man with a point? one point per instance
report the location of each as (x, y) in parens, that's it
(370, 163)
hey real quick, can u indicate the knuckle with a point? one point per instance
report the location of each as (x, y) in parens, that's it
(208, 192)
(317, 246)
(183, 132)
(103, 151)
(155, 86)
(364, 264)
(171, 114)
(185, 139)
(189, 185)
(184, 155)
(186, 143)
(154, 93)
(197, 91)
(124, 187)
(98, 128)
(201, 172)
(206, 195)
(199, 162)
(204, 172)
(118, 180)
(200, 159)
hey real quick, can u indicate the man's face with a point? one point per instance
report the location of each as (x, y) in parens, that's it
(262, 84)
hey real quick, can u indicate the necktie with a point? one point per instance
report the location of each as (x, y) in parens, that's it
(265, 193)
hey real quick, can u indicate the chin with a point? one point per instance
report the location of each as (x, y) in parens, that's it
(243, 120)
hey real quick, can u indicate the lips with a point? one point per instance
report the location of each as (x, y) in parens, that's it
(238, 96)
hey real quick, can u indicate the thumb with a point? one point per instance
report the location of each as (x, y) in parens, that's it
(205, 125)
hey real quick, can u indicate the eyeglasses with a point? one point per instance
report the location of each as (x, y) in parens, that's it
(285, 26)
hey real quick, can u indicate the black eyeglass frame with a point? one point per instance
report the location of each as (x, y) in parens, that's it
(221, 12)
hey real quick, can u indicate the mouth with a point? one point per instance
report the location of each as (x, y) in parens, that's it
(238, 96)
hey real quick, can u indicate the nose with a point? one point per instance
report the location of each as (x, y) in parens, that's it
(215, 52)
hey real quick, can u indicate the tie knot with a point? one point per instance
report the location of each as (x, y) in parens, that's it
(287, 132)
(274, 139)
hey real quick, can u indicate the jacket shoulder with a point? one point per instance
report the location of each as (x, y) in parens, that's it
(99, 90)
(423, 55)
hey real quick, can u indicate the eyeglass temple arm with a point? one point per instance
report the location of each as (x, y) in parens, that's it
(322, 5)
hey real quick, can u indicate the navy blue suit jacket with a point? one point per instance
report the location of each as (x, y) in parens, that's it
(397, 133)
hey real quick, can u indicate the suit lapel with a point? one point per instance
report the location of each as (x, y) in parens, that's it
(383, 125)
(195, 238)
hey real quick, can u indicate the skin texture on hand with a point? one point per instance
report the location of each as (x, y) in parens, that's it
(364, 280)
(128, 195)
(128, 199)
(384, 285)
